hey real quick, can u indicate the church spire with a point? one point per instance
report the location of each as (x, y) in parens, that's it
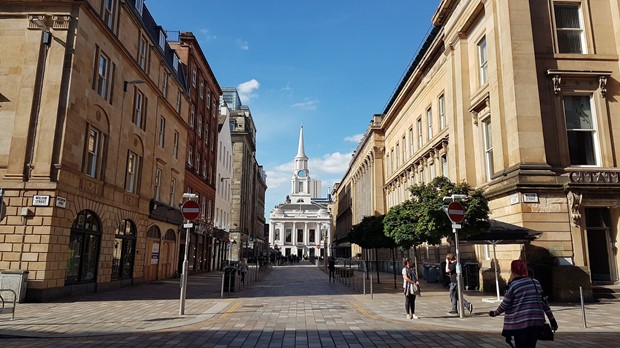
(300, 147)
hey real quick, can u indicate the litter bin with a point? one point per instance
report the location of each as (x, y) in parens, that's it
(431, 275)
(229, 278)
(471, 276)
(16, 281)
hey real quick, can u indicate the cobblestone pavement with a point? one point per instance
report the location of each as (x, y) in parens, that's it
(293, 306)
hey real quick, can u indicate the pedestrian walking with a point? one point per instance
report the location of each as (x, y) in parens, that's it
(243, 269)
(331, 266)
(454, 295)
(411, 288)
(525, 307)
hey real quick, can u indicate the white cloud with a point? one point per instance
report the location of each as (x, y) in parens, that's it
(354, 138)
(330, 164)
(243, 45)
(306, 105)
(246, 90)
(207, 34)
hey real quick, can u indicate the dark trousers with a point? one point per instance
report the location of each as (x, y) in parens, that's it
(526, 338)
(331, 275)
(454, 297)
(410, 304)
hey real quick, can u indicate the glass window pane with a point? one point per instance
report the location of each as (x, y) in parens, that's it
(581, 148)
(89, 266)
(74, 257)
(578, 112)
(567, 16)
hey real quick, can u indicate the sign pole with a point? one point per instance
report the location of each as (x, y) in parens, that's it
(185, 271)
(459, 273)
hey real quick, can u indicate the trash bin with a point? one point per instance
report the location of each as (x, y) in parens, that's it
(431, 274)
(471, 276)
(16, 281)
(229, 278)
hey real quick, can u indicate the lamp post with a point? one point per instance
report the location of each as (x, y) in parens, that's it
(324, 234)
(456, 219)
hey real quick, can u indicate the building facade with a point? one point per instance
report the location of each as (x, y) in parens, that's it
(223, 192)
(93, 106)
(515, 98)
(202, 142)
(300, 227)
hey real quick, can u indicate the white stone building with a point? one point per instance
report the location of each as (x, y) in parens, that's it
(300, 226)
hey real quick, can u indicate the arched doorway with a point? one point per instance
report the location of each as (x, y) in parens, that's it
(124, 251)
(153, 244)
(167, 259)
(84, 245)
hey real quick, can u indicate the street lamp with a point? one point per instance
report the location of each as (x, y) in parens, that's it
(455, 230)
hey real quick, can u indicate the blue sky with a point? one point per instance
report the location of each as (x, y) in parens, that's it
(329, 65)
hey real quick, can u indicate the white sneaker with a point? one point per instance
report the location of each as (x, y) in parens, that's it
(415, 317)
(408, 316)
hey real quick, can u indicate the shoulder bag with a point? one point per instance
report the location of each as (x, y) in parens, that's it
(546, 334)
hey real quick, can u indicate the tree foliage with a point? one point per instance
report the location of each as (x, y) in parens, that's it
(369, 234)
(423, 218)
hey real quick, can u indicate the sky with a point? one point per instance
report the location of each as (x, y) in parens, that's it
(328, 65)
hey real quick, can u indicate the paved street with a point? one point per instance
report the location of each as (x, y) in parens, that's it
(293, 306)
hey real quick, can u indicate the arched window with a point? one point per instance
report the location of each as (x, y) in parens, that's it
(153, 232)
(84, 244)
(170, 235)
(124, 250)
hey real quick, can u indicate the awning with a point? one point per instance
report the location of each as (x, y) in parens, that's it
(502, 233)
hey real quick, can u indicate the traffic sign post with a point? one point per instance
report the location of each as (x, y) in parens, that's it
(190, 210)
(456, 214)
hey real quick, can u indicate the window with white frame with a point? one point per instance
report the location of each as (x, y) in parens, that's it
(175, 62)
(569, 27)
(192, 117)
(108, 12)
(204, 168)
(164, 84)
(419, 124)
(429, 123)
(157, 184)
(444, 165)
(178, 103)
(194, 77)
(162, 131)
(94, 151)
(404, 149)
(190, 155)
(103, 72)
(201, 90)
(387, 164)
(392, 161)
(442, 111)
(138, 108)
(139, 5)
(142, 52)
(162, 39)
(209, 210)
(397, 155)
(199, 127)
(206, 134)
(132, 172)
(487, 135)
(173, 187)
(483, 60)
(411, 149)
(581, 130)
(198, 157)
(431, 167)
(203, 207)
(175, 145)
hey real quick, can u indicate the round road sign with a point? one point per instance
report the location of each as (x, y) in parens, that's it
(190, 210)
(456, 212)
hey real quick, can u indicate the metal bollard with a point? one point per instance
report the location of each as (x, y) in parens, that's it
(583, 308)
(222, 290)
(364, 282)
(371, 294)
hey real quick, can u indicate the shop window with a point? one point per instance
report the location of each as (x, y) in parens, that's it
(84, 245)
(124, 250)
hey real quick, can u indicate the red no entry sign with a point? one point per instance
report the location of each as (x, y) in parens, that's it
(456, 212)
(190, 210)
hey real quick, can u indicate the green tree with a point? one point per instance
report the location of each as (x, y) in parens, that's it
(369, 234)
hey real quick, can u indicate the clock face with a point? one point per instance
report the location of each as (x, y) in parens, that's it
(301, 173)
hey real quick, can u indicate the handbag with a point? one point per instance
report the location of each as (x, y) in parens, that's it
(545, 334)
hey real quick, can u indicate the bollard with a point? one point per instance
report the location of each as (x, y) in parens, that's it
(583, 308)
(222, 290)
(364, 282)
(371, 294)
(229, 283)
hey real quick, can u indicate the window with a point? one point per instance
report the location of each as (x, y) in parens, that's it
(175, 145)
(108, 13)
(194, 77)
(192, 117)
(94, 151)
(201, 90)
(124, 250)
(397, 155)
(139, 5)
(142, 52)
(190, 155)
(288, 234)
(178, 103)
(162, 131)
(138, 109)
(387, 164)
(198, 162)
(431, 167)
(162, 39)
(164, 84)
(132, 173)
(312, 236)
(419, 124)
(203, 207)
(569, 28)
(103, 72)
(175, 62)
(404, 149)
(173, 187)
(442, 111)
(199, 128)
(392, 160)
(444, 165)
(581, 130)
(157, 184)
(300, 235)
(488, 147)
(429, 123)
(204, 169)
(483, 60)
(206, 134)
(84, 245)
(411, 141)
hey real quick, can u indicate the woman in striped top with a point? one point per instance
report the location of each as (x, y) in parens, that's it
(524, 307)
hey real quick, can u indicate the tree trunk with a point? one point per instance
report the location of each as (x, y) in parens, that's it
(394, 265)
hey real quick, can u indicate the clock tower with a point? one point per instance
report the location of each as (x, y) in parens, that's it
(300, 182)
